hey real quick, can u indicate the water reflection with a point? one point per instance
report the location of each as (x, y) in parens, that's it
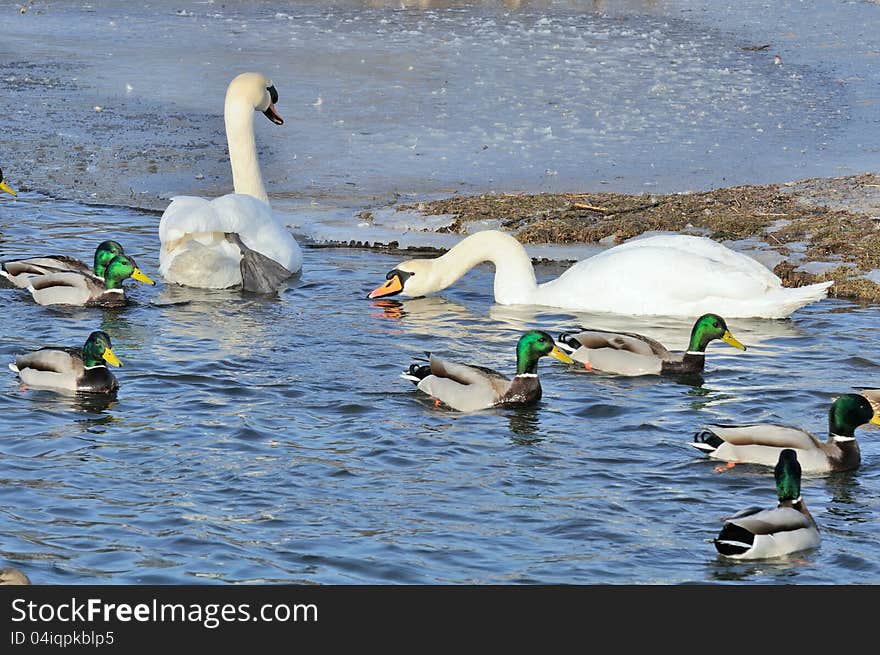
(849, 501)
(781, 570)
(95, 403)
(525, 423)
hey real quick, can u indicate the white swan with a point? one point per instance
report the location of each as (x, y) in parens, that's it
(234, 239)
(668, 275)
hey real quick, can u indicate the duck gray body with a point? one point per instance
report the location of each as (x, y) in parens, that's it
(468, 388)
(20, 272)
(59, 367)
(72, 288)
(758, 533)
(628, 353)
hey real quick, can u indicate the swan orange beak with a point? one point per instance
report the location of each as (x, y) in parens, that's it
(272, 115)
(5, 187)
(391, 287)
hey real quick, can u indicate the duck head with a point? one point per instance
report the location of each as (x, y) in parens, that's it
(98, 350)
(707, 328)
(120, 268)
(532, 346)
(106, 251)
(849, 412)
(788, 476)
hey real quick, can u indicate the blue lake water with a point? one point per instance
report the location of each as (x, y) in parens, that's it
(271, 440)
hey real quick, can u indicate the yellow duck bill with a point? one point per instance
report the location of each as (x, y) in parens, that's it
(140, 277)
(728, 338)
(561, 356)
(110, 357)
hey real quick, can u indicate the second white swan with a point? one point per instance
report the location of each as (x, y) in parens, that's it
(666, 275)
(234, 239)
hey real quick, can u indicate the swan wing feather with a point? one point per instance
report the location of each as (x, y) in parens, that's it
(676, 275)
(251, 219)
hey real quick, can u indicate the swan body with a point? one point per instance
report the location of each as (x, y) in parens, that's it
(629, 353)
(757, 533)
(71, 369)
(469, 388)
(761, 443)
(670, 275)
(234, 239)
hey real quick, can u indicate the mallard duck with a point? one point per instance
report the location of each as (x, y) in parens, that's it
(757, 533)
(672, 275)
(11, 576)
(234, 239)
(468, 388)
(761, 443)
(20, 272)
(72, 369)
(628, 353)
(5, 187)
(84, 289)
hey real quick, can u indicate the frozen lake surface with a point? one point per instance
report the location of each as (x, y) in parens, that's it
(122, 102)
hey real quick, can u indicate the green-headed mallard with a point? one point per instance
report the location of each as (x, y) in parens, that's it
(468, 388)
(667, 274)
(84, 289)
(20, 272)
(12, 576)
(5, 187)
(72, 369)
(628, 353)
(761, 443)
(757, 533)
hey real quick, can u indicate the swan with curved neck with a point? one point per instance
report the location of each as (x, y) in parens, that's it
(670, 275)
(234, 239)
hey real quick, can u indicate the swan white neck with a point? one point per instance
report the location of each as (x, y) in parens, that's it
(514, 275)
(239, 118)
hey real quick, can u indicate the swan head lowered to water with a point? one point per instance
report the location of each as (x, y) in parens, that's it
(235, 239)
(664, 275)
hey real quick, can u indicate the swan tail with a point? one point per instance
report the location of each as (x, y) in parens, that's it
(259, 274)
(797, 297)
